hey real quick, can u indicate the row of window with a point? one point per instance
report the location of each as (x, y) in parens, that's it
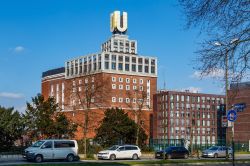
(193, 99)
(127, 100)
(127, 87)
(120, 79)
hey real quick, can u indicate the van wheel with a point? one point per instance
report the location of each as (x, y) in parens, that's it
(215, 155)
(38, 158)
(112, 157)
(185, 156)
(135, 157)
(70, 157)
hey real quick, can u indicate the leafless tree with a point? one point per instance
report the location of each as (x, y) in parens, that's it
(138, 102)
(86, 94)
(226, 22)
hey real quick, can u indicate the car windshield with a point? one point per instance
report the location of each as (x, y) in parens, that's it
(213, 148)
(37, 144)
(113, 147)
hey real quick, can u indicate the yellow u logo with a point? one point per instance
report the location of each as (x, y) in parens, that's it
(118, 23)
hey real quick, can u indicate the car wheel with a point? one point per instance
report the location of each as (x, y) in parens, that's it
(230, 155)
(70, 157)
(135, 157)
(169, 156)
(112, 157)
(38, 158)
(185, 156)
(215, 155)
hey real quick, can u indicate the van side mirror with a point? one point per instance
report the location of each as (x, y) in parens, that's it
(118, 150)
(43, 147)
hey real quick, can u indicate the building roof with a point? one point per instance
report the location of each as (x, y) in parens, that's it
(53, 72)
(241, 85)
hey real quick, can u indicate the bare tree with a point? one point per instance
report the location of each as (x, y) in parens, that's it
(138, 102)
(85, 95)
(227, 22)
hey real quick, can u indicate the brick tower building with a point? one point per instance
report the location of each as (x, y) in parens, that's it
(115, 77)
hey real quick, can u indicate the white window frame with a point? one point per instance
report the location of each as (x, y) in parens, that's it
(134, 81)
(120, 100)
(120, 87)
(113, 99)
(113, 86)
(113, 79)
(141, 81)
(120, 79)
(127, 87)
(127, 80)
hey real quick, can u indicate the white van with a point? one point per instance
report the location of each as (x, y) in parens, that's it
(52, 149)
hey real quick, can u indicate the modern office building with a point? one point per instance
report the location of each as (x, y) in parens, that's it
(240, 93)
(186, 115)
(117, 76)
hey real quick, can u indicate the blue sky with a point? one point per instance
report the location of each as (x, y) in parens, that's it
(36, 36)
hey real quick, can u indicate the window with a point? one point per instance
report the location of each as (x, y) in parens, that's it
(106, 65)
(80, 82)
(141, 88)
(134, 87)
(127, 80)
(133, 60)
(134, 81)
(47, 145)
(120, 86)
(113, 99)
(113, 66)
(146, 69)
(127, 100)
(113, 79)
(127, 67)
(133, 67)
(139, 68)
(113, 86)
(79, 89)
(120, 66)
(120, 100)
(86, 80)
(134, 100)
(141, 81)
(126, 59)
(127, 87)
(64, 144)
(120, 79)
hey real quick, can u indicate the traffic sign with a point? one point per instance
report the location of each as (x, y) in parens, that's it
(239, 107)
(231, 115)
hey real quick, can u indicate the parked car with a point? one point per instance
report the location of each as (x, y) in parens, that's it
(121, 152)
(52, 149)
(173, 152)
(217, 151)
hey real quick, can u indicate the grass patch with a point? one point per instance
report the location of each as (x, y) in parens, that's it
(130, 163)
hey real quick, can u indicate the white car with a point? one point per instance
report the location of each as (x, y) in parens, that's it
(52, 149)
(121, 152)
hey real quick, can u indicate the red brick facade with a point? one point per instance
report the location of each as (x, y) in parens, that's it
(184, 113)
(119, 86)
(240, 94)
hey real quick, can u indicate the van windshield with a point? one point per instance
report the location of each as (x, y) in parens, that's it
(113, 147)
(37, 144)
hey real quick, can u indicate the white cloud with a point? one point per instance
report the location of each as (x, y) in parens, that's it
(192, 89)
(11, 95)
(19, 49)
(217, 73)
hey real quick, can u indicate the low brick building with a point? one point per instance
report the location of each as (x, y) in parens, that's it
(186, 115)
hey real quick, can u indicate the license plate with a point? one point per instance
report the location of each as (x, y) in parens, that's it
(157, 154)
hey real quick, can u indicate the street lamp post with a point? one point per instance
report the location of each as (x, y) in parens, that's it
(226, 86)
